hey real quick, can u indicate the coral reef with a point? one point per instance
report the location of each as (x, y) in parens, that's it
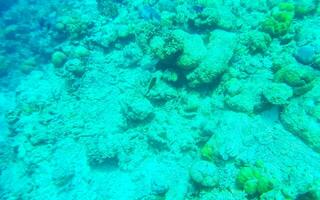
(279, 22)
(301, 117)
(278, 93)
(204, 173)
(160, 99)
(253, 181)
(220, 51)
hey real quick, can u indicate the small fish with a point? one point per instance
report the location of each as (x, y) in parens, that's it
(152, 83)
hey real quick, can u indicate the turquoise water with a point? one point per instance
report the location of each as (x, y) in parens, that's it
(160, 100)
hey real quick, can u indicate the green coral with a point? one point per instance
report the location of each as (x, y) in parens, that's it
(254, 181)
(301, 79)
(286, 6)
(207, 152)
(280, 20)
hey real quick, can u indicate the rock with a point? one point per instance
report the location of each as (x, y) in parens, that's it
(193, 50)
(316, 63)
(215, 63)
(75, 67)
(301, 117)
(58, 58)
(165, 48)
(305, 54)
(278, 93)
(137, 109)
(258, 42)
(312, 193)
(244, 96)
(204, 173)
(305, 7)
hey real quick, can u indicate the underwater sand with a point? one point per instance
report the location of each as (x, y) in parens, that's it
(160, 100)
